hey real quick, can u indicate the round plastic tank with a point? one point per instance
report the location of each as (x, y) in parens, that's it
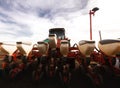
(43, 48)
(86, 47)
(7, 48)
(52, 41)
(24, 47)
(109, 47)
(64, 47)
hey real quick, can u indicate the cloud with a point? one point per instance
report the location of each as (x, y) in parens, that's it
(44, 8)
(32, 19)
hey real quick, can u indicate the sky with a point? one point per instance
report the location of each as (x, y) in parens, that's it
(30, 20)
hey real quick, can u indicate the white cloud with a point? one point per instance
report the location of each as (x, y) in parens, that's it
(31, 19)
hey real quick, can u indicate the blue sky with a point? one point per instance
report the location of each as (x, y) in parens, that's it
(30, 20)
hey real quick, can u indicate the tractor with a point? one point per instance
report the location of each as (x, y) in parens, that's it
(54, 55)
(63, 53)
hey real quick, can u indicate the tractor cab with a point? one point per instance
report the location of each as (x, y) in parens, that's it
(55, 37)
(60, 32)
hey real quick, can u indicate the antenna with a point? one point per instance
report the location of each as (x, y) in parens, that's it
(100, 35)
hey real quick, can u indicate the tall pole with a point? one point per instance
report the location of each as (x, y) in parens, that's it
(92, 12)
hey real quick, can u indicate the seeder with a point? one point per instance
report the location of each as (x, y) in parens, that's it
(19, 59)
(55, 57)
(6, 51)
(110, 52)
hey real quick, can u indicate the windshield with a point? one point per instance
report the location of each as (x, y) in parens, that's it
(60, 32)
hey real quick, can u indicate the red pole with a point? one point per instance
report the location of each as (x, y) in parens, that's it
(90, 13)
